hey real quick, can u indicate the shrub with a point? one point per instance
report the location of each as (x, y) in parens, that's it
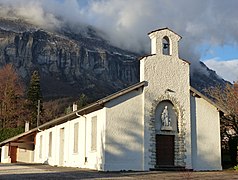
(10, 132)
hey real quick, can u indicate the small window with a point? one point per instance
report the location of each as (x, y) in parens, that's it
(94, 133)
(166, 46)
(50, 144)
(76, 132)
(40, 153)
(6, 151)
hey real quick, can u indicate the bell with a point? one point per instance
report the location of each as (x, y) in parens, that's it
(165, 45)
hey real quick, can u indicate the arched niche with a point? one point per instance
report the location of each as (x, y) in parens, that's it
(178, 132)
(166, 118)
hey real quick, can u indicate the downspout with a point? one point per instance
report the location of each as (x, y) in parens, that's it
(85, 136)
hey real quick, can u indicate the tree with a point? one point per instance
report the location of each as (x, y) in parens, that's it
(55, 108)
(227, 98)
(33, 95)
(83, 101)
(11, 97)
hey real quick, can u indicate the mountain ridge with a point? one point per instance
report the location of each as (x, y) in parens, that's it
(75, 62)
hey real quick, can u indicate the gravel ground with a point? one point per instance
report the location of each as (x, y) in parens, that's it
(37, 172)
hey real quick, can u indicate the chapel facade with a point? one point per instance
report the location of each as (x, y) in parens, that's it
(159, 122)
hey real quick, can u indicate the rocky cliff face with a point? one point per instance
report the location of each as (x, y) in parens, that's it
(72, 63)
(68, 63)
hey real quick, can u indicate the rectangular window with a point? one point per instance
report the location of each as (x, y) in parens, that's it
(6, 151)
(76, 133)
(94, 133)
(50, 144)
(40, 153)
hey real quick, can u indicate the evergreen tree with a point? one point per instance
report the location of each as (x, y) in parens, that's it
(33, 95)
(83, 101)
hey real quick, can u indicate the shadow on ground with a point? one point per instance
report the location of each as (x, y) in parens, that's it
(40, 172)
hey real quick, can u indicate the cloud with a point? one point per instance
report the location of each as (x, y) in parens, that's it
(225, 69)
(127, 22)
(32, 11)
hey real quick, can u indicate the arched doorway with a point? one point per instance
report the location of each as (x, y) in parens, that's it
(178, 132)
(166, 127)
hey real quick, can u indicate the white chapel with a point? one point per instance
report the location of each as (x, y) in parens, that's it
(160, 122)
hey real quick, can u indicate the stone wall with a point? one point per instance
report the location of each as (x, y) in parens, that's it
(179, 149)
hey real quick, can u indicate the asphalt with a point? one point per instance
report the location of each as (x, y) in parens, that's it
(40, 172)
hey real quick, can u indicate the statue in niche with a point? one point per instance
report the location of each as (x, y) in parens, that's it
(166, 120)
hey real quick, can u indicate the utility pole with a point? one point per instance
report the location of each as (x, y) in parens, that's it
(38, 114)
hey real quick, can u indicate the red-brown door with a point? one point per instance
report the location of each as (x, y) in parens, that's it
(13, 154)
(164, 150)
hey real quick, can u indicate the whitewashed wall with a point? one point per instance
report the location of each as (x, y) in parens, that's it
(124, 133)
(4, 155)
(206, 147)
(25, 152)
(94, 159)
(165, 72)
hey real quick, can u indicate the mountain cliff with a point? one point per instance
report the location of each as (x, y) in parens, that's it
(72, 63)
(68, 63)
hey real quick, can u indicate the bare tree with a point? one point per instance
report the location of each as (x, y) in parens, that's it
(227, 98)
(11, 93)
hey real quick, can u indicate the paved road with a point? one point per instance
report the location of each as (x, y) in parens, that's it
(38, 172)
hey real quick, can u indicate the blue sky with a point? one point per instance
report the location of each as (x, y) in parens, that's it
(208, 27)
(220, 53)
(222, 59)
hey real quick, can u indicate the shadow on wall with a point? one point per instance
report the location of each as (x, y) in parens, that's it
(125, 148)
(204, 149)
(206, 159)
(124, 137)
(193, 129)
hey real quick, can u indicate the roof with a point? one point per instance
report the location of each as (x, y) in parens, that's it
(18, 136)
(186, 61)
(166, 28)
(140, 58)
(96, 106)
(85, 110)
(197, 93)
(148, 55)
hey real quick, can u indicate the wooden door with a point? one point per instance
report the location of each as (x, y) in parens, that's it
(164, 150)
(13, 154)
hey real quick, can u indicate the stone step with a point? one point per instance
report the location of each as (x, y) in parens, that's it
(170, 168)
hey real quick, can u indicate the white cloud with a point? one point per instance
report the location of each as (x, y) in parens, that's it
(225, 69)
(32, 11)
(126, 22)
